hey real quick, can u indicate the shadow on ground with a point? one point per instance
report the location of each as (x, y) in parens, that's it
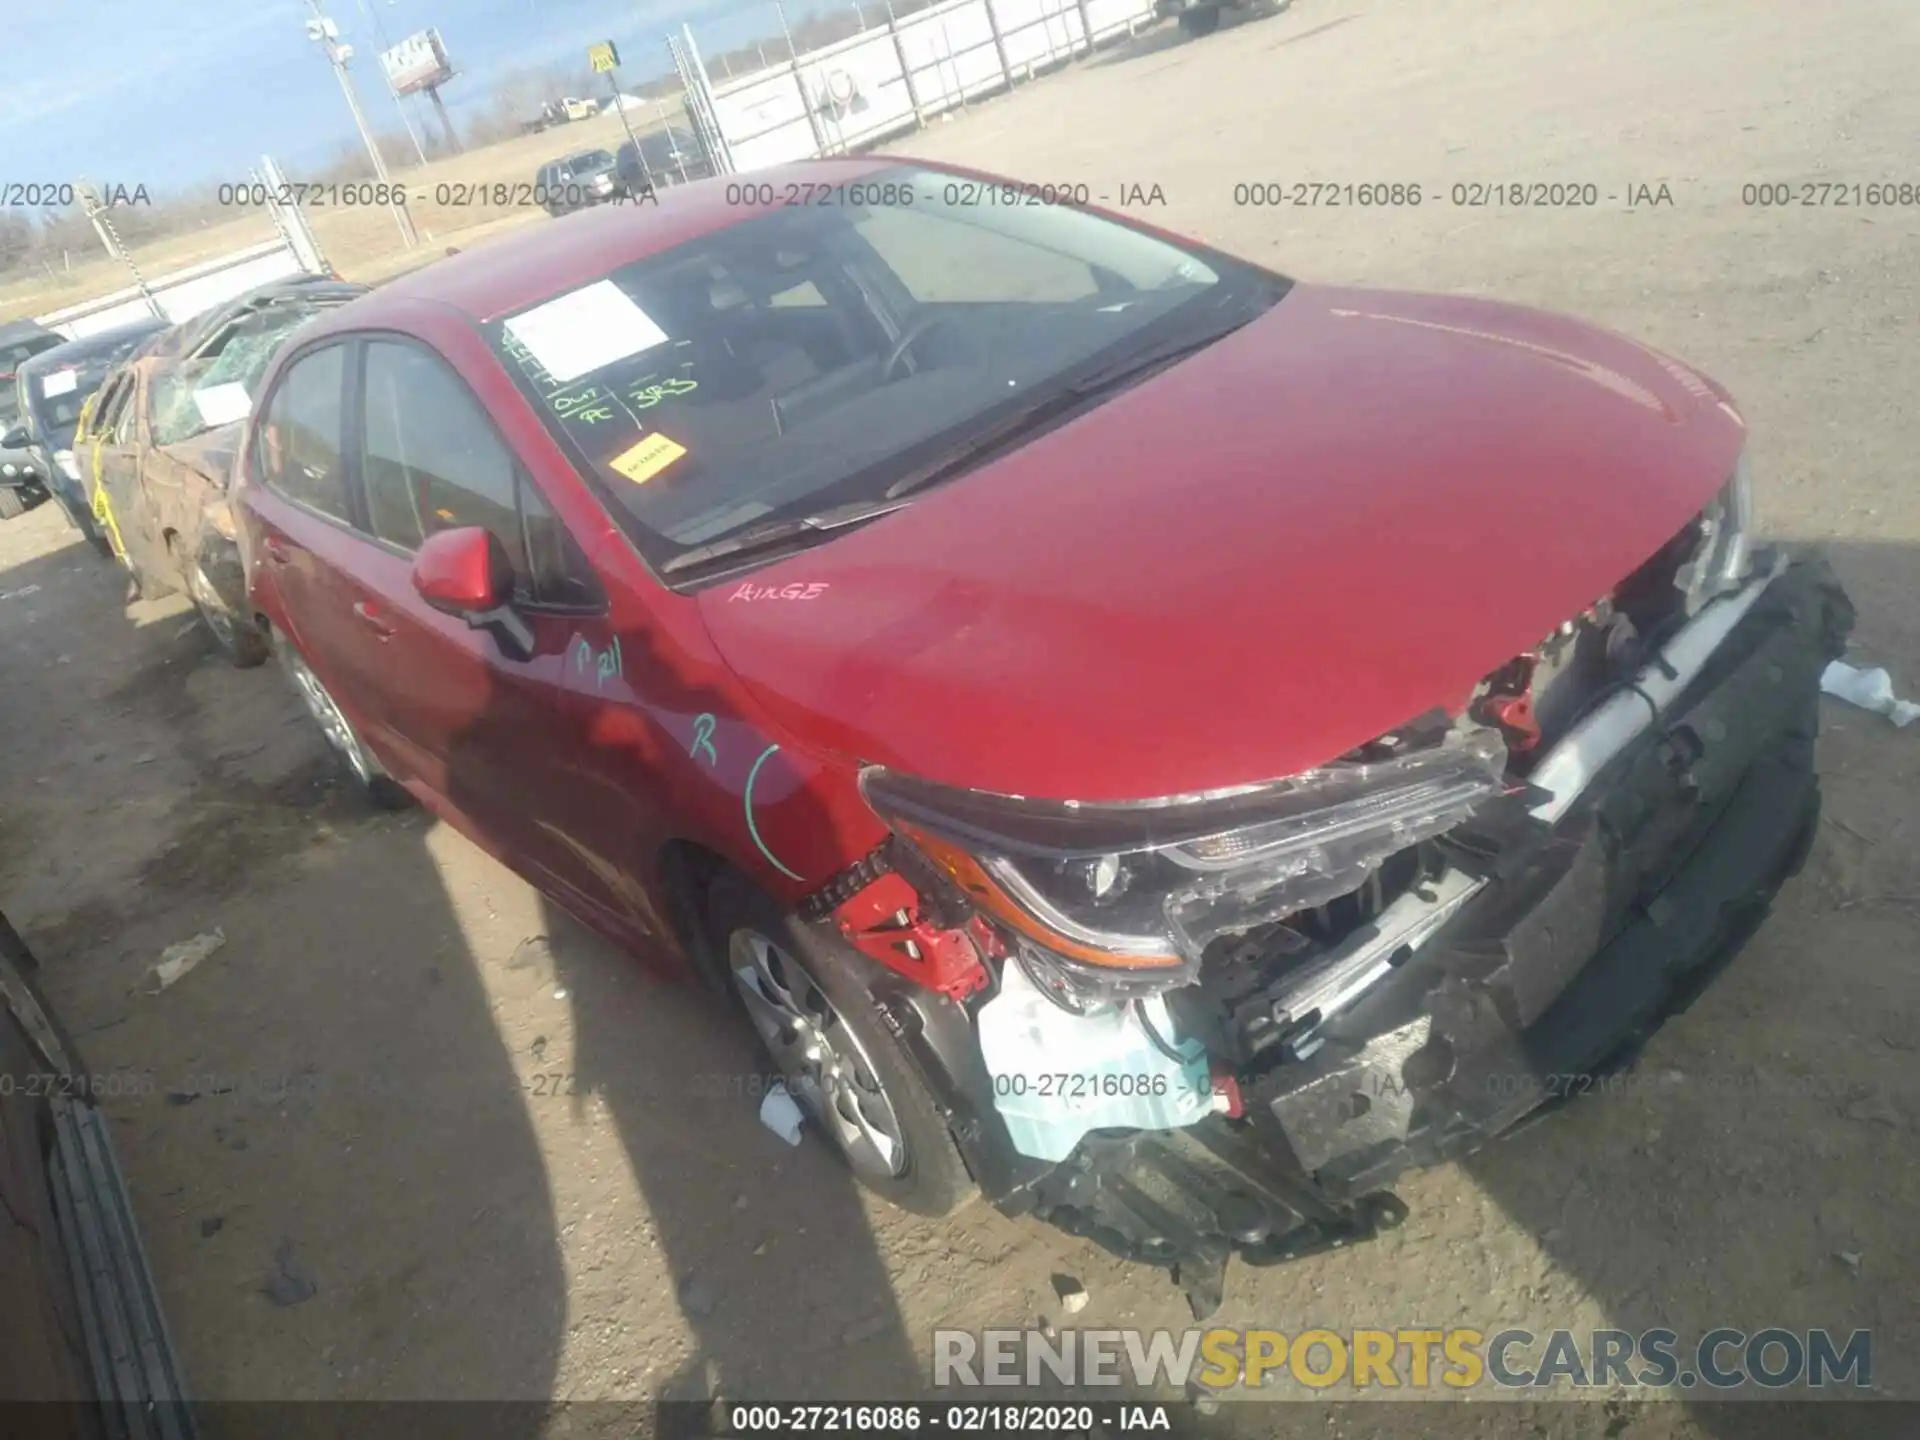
(327, 1144)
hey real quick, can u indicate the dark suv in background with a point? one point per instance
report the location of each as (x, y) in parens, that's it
(576, 182)
(664, 157)
(52, 387)
(20, 341)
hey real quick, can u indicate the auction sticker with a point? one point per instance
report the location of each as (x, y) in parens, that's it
(582, 331)
(640, 463)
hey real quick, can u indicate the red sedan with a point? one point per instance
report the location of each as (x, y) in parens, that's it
(1120, 721)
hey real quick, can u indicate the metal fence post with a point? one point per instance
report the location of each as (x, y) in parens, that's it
(96, 210)
(906, 71)
(800, 83)
(999, 43)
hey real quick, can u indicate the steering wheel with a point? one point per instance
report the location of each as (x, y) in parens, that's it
(909, 337)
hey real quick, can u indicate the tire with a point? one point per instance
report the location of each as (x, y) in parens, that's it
(1200, 22)
(11, 503)
(360, 763)
(238, 639)
(780, 966)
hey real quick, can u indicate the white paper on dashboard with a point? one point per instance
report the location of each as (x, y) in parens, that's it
(584, 330)
(60, 382)
(223, 404)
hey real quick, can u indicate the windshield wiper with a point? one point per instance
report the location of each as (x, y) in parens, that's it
(1124, 371)
(771, 533)
(977, 447)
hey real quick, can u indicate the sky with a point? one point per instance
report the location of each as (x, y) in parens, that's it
(173, 93)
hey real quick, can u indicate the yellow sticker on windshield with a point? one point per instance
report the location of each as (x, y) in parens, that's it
(647, 459)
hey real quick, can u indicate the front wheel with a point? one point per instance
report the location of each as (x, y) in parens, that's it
(368, 774)
(1200, 22)
(805, 992)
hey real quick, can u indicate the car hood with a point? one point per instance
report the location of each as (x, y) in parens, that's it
(1325, 525)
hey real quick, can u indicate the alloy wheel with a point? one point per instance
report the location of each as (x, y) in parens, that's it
(333, 724)
(826, 1067)
(212, 609)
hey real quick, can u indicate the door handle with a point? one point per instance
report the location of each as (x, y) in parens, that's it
(276, 551)
(369, 615)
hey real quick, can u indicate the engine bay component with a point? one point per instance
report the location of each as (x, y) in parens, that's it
(1548, 935)
(1058, 1075)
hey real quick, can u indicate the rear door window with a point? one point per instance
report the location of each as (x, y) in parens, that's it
(298, 447)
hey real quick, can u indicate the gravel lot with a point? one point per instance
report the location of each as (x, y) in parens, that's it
(355, 1088)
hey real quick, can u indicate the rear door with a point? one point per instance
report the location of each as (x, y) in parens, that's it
(303, 503)
(507, 742)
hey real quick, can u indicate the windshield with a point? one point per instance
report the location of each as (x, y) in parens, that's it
(217, 385)
(813, 355)
(589, 161)
(12, 356)
(54, 394)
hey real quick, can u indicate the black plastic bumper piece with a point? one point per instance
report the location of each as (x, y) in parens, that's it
(132, 1373)
(1559, 969)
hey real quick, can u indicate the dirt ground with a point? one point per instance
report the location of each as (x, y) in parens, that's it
(354, 1092)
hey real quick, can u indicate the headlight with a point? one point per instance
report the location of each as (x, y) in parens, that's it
(1138, 890)
(1724, 558)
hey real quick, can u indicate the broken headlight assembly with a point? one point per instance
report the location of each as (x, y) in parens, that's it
(1125, 898)
(1723, 558)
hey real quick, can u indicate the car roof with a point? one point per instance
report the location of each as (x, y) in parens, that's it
(191, 332)
(90, 347)
(668, 133)
(14, 331)
(550, 257)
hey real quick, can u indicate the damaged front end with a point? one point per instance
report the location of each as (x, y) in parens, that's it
(1224, 1023)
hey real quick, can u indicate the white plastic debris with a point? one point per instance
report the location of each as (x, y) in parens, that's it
(177, 959)
(1870, 690)
(780, 1114)
(20, 593)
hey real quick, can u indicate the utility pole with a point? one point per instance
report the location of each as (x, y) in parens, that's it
(327, 34)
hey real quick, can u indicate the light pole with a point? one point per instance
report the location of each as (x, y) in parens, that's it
(327, 34)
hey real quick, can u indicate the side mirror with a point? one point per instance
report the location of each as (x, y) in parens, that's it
(14, 439)
(466, 572)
